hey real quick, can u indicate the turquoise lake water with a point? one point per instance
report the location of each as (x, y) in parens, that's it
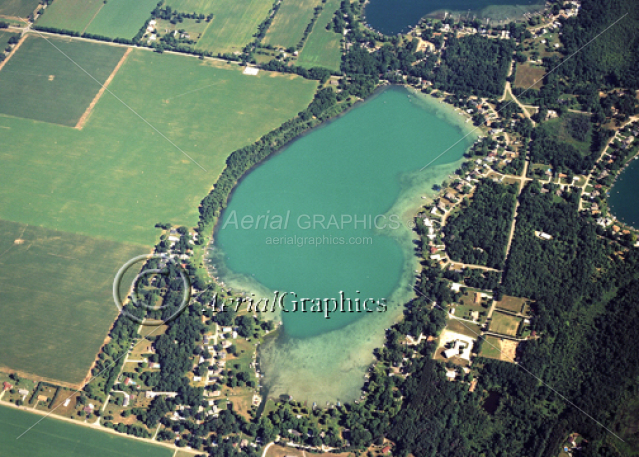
(361, 168)
(399, 16)
(624, 195)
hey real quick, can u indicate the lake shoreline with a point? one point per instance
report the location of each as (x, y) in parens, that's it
(290, 362)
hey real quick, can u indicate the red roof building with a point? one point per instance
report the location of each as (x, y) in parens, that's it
(6, 385)
(386, 450)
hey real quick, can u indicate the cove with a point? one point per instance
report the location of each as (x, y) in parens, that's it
(354, 184)
(399, 16)
(624, 193)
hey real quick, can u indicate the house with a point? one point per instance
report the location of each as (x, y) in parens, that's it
(477, 297)
(43, 398)
(6, 386)
(127, 399)
(544, 235)
(295, 433)
(386, 450)
(23, 392)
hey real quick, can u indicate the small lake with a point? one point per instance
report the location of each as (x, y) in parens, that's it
(624, 195)
(492, 402)
(338, 201)
(399, 16)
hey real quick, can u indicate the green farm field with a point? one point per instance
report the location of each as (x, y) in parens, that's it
(234, 23)
(121, 18)
(117, 177)
(72, 15)
(504, 324)
(57, 438)
(56, 299)
(290, 22)
(322, 48)
(38, 82)
(18, 8)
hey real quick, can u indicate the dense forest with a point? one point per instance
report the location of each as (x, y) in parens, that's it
(562, 156)
(611, 60)
(475, 65)
(478, 233)
(585, 315)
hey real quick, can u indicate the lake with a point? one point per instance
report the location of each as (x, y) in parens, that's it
(624, 195)
(338, 201)
(399, 16)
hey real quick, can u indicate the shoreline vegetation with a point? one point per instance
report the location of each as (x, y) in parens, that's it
(406, 389)
(446, 110)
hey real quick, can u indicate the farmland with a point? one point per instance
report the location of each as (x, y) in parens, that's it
(290, 22)
(74, 15)
(56, 438)
(233, 25)
(56, 297)
(40, 83)
(111, 180)
(121, 18)
(19, 8)
(323, 47)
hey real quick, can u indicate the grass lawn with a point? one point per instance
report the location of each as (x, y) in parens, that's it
(19, 8)
(56, 299)
(117, 178)
(233, 25)
(528, 74)
(290, 22)
(4, 39)
(38, 82)
(504, 324)
(491, 348)
(322, 48)
(191, 26)
(121, 18)
(56, 438)
(72, 15)
(499, 349)
(465, 328)
(514, 304)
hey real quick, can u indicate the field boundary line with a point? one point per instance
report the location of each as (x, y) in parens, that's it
(99, 428)
(96, 13)
(13, 51)
(85, 116)
(122, 102)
